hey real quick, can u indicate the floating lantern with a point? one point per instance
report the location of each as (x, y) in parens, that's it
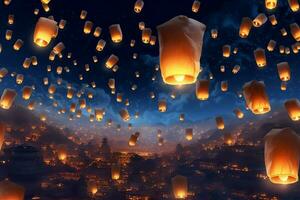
(282, 156)
(132, 140)
(224, 86)
(11, 191)
(284, 71)
(111, 61)
(52, 89)
(271, 45)
(97, 31)
(294, 5)
(162, 105)
(226, 51)
(239, 114)
(57, 49)
(196, 6)
(8, 34)
(18, 44)
(220, 123)
(45, 30)
(273, 20)
(62, 24)
(260, 57)
(293, 108)
(260, 20)
(189, 134)
(245, 27)
(3, 72)
(7, 98)
(88, 25)
(180, 41)
(115, 172)
(138, 6)
(214, 33)
(295, 31)
(270, 4)
(124, 115)
(180, 187)
(27, 91)
(256, 97)
(146, 34)
(100, 45)
(116, 33)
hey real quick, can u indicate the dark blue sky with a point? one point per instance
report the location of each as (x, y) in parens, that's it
(223, 15)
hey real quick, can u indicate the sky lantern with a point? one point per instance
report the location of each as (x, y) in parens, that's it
(236, 69)
(222, 68)
(57, 49)
(271, 45)
(142, 25)
(181, 117)
(82, 103)
(196, 6)
(180, 41)
(115, 171)
(27, 91)
(11, 19)
(11, 191)
(226, 51)
(245, 27)
(282, 156)
(18, 44)
(7, 98)
(138, 6)
(273, 20)
(256, 97)
(111, 61)
(52, 89)
(116, 33)
(3, 72)
(111, 83)
(220, 123)
(73, 107)
(284, 71)
(83, 14)
(97, 31)
(152, 40)
(180, 187)
(162, 105)
(270, 4)
(189, 134)
(239, 114)
(6, 2)
(293, 108)
(146, 35)
(283, 86)
(8, 34)
(228, 139)
(132, 140)
(214, 33)
(92, 188)
(62, 24)
(70, 93)
(88, 25)
(260, 20)
(62, 153)
(260, 57)
(119, 97)
(46, 7)
(295, 31)
(45, 81)
(100, 45)
(45, 30)
(294, 5)
(99, 114)
(31, 105)
(124, 115)
(224, 86)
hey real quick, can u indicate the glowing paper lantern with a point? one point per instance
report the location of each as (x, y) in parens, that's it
(189, 134)
(260, 57)
(271, 45)
(142, 25)
(3, 72)
(295, 31)
(220, 123)
(228, 139)
(111, 61)
(115, 172)
(270, 4)
(88, 25)
(45, 30)
(196, 6)
(124, 115)
(294, 5)
(256, 97)
(214, 33)
(224, 86)
(57, 49)
(152, 40)
(18, 44)
(282, 156)
(111, 83)
(8, 34)
(116, 33)
(19, 79)
(284, 71)
(83, 14)
(100, 45)
(2, 134)
(293, 108)
(52, 89)
(11, 191)
(162, 105)
(62, 24)
(180, 41)
(10, 19)
(97, 31)
(273, 20)
(239, 114)
(236, 69)
(7, 98)
(27, 91)
(146, 35)
(132, 140)
(180, 187)
(138, 6)
(245, 27)
(260, 20)
(226, 51)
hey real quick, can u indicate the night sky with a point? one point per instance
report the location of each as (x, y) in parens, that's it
(222, 15)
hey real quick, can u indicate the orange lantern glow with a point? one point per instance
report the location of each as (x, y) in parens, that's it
(284, 71)
(260, 57)
(138, 6)
(45, 30)
(293, 108)
(116, 33)
(180, 187)
(245, 27)
(220, 123)
(7, 98)
(11, 191)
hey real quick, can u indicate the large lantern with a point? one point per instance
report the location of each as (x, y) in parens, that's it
(295, 31)
(180, 187)
(293, 108)
(116, 33)
(270, 4)
(45, 30)
(27, 91)
(124, 115)
(111, 61)
(294, 5)
(256, 97)
(7, 98)
(180, 41)
(202, 89)
(11, 191)
(282, 156)
(245, 27)
(284, 71)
